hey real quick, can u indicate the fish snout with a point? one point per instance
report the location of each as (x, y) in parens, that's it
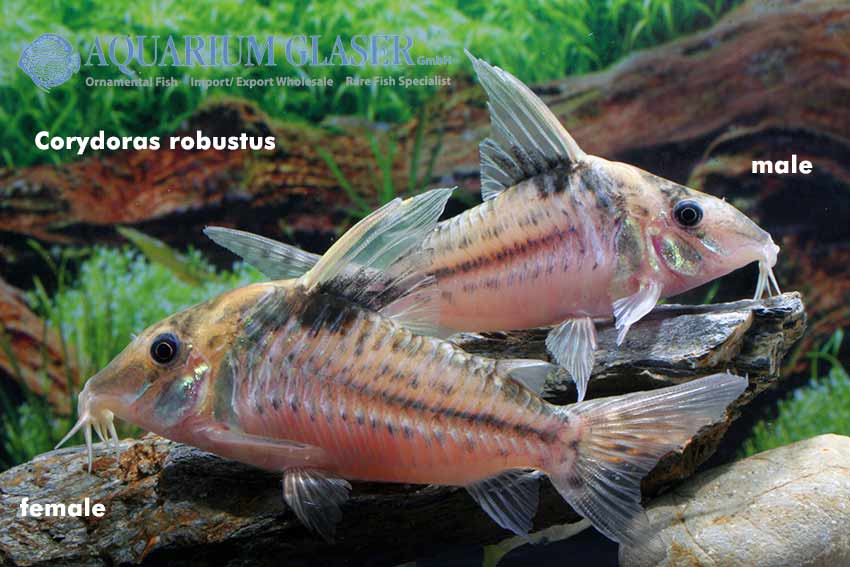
(746, 239)
(93, 416)
(771, 252)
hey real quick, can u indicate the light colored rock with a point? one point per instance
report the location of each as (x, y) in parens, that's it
(786, 507)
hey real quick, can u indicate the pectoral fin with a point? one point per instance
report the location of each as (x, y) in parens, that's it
(265, 452)
(629, 310)
(316, 497)
(313, 494)
(510, 499)
(572, 344)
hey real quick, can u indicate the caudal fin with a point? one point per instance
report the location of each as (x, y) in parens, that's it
(620, 439)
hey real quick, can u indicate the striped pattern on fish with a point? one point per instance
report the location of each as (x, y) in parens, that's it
(546, 248)
(388, 405)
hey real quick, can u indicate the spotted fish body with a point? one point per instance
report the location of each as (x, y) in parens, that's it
(322, 379)
(572, 242)
(539, 253)
(562, 237)
(389, 405)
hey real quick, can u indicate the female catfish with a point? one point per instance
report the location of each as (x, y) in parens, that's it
(320, 378)
(562, 237)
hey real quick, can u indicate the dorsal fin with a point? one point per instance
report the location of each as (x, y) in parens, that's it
(527, 139)
(275, 259)
(377, 263)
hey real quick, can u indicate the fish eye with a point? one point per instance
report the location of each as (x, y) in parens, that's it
(687, 213)
(164, 348)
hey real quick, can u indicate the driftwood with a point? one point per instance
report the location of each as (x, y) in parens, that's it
(168, 503)
(38, 360)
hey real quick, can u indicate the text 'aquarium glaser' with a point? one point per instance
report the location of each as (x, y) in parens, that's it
(132, 54)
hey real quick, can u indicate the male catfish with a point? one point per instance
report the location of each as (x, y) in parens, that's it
(322, 379)
(562, 237)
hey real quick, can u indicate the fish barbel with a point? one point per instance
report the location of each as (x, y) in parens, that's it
(322, 379)
(561, 238)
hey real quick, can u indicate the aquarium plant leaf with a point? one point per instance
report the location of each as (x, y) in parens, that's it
(159, 252)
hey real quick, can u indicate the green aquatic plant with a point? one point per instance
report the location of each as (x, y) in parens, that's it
(822, 406)
(569, 37)
(28, 424)
(384, 151)
(187, 269)
(711, 292)
(536, 40)
(115, 293)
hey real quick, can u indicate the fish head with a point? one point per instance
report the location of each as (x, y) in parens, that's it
(691, 238)
(161, 379)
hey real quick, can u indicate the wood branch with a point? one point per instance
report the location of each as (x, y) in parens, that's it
(169, 503)
(36, 356)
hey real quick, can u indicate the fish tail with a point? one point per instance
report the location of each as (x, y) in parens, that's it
(608, 445)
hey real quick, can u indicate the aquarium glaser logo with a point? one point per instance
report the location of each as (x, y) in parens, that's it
(49, 61)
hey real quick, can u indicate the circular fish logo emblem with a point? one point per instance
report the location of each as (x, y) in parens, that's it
(49, 61)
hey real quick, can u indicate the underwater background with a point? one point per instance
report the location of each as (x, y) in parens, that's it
(94, 248)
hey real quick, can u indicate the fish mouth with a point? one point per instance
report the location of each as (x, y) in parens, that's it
(767, 280)
(101, 420)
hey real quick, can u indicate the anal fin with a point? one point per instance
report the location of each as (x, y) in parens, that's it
(572, 344)
(509, 498)
(316, 497)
